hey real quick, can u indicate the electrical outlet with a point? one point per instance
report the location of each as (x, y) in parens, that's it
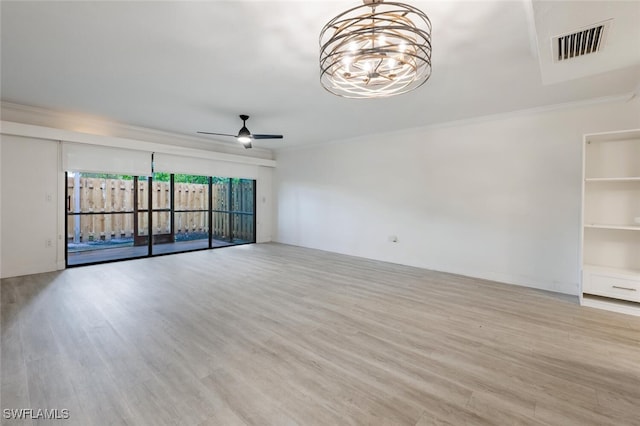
(393, 238)
(48, 242)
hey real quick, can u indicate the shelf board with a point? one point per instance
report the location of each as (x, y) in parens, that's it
(614, 179)
(619, 227)
(609, 270)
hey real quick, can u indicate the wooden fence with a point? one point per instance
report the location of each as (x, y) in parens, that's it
(98, 195)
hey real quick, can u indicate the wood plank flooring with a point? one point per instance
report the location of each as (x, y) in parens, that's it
(272, 334)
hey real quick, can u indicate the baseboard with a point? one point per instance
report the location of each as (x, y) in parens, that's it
(17, 271)
(555, 286)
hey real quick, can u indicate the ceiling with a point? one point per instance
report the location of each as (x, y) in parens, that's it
(188, 66)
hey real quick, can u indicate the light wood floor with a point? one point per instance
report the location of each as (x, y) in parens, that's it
(277, 335)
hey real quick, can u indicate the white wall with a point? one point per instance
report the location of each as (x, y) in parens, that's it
(264, 205)
(30, 196)
(496, 199)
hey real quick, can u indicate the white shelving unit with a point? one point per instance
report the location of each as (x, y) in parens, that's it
(611, 221)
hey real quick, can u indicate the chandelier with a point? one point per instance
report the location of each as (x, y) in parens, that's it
(375, 50)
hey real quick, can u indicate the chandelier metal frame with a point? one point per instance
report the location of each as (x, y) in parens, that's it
(375, 50)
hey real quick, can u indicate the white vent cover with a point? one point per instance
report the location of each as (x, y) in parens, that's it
(580, 42)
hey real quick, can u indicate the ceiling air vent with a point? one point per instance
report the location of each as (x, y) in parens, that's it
(579, 43)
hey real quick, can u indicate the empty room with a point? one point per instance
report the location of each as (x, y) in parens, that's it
(337, 212)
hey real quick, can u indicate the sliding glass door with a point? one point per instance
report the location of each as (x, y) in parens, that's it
(161, 213)
(110, 217)
(221, 188)
(184, 226)
(242, 215)
(233, 211)
(100, 218)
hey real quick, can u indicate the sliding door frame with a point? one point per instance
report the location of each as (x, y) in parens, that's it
(149, 211)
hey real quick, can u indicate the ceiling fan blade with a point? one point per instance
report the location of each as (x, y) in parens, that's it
(218, 134)
(266, 136)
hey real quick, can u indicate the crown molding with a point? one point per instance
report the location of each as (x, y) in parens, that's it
(625, 97)
(38, 116)
(49, 133)
(622, 98)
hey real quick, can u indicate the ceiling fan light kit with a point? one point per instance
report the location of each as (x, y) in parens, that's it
(375, 50)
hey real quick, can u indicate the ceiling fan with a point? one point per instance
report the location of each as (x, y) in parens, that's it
(244, 136)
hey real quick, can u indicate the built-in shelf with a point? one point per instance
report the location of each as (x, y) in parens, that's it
(613, 179)
(610, 214)
(605, 226)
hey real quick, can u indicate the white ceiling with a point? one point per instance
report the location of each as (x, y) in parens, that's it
(188, 66)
